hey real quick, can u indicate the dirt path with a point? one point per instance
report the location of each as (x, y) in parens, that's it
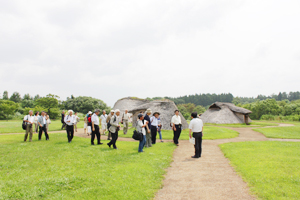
(211, 176)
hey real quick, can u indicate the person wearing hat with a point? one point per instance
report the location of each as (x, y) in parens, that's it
(148, 128)
(108, 123)
(154, 126)
(140, 127)
(114, 128)
(89, 123)
(95, 127)
(176, 126)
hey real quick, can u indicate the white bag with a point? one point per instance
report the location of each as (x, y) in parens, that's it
(192, 140)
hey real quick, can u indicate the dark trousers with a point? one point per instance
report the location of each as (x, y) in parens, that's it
(63, 125)
(114, 137)
(177, 134)
(153, 134)
(97, 133)
(43, 128)
(70, 132)
(198, 144)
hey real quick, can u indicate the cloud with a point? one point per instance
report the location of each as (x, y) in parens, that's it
(112, 49)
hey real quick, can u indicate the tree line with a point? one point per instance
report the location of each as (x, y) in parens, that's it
(15, 106)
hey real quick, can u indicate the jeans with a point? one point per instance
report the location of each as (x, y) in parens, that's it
(142, 143)
(160, 137)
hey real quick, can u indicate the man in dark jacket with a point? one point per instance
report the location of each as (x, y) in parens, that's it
(63, 119)
(148, 133)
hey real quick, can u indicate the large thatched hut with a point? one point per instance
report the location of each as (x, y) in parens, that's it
(226, 113)
(165, 107)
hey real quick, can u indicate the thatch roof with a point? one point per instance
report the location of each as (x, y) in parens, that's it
(165, 107)
(231, 106)
(225, 113)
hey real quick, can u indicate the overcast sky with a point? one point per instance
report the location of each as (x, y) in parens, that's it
(114, 49)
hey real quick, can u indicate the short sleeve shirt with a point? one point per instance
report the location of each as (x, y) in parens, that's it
(196, 125)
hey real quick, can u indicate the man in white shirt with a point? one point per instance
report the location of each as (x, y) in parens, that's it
(125, 119)
(176, 126)
(29, 119)
(196, 126)
(43, 125)
(103, 119)
(95, 127)
(154, 126)
(70, 121)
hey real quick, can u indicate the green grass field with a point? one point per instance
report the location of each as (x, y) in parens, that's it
(255, 123)
(55, 169)
(15, 126)
(270, 168)
(292, 132)
(210, 133)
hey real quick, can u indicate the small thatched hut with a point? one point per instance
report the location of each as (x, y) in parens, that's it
(226, 113)
(165, 107)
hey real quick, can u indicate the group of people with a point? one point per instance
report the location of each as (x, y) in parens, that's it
(146, 125)
(42, 121)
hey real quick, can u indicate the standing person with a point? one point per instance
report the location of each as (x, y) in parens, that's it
(70, 120)
(63, 120)
(141, 129)
(76, 121)
(159, 129)
(48, 121)
(154, 126)
(36, 117)
(103, 118)
(112, 112)
(42, 121)
(89, 123)
(176, 126)
(125, 119)
(95, 127)
(148, 128)
(196, 126)
(29, 119)
(85, 123)
(114, 128)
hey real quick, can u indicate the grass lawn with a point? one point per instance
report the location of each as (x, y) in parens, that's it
(210, 133)
(271, 168)
(292, 132)
(252, 124)
(56, 169)
(15, 126)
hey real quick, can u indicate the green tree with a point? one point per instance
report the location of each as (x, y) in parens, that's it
(84, 104)
(5, 95)
(50, 103)
(7, 108)
(16, 97)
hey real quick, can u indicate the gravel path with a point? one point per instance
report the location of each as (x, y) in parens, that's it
(211, 177)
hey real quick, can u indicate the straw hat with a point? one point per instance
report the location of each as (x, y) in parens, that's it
(148, 110)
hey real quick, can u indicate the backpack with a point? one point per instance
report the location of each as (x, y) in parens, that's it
(24, 124)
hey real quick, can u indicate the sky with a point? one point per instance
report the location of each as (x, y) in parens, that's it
(114, 49)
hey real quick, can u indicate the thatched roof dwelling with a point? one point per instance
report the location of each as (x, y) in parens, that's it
(226, 113)
(165, 107)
